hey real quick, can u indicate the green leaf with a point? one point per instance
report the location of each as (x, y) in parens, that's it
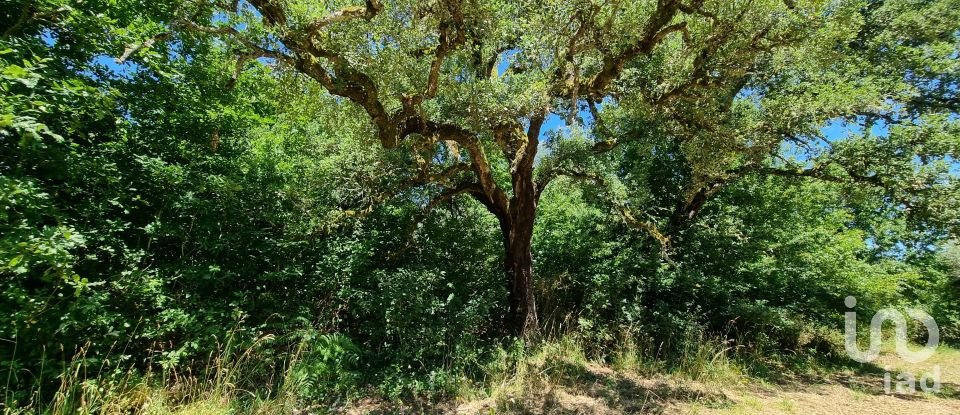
(15, 72)
(15, 261)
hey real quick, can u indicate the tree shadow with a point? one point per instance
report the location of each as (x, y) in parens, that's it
(867, 378)
(873, 380)
(588, 389)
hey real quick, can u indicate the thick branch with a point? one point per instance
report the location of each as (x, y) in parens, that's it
(529, 153)
(649, 227)
(547, 177)
(656, 29)
(348, 13)
(342, 78)
(687, 210)
(452, 35)
(234, 35)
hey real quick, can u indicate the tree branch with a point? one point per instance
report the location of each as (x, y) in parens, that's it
(234, 35)
(656, 29)
(447, 194)
(598, 180)
(367, 12)
(649, 227)
(146, 44)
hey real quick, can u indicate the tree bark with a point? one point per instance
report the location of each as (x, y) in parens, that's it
(517, 226)
(521, 318)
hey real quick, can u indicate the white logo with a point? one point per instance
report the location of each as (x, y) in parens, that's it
(876, 336)
(906, 381)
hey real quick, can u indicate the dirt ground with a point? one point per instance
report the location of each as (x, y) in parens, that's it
(601, 390)
(593, 389)
(865, 392)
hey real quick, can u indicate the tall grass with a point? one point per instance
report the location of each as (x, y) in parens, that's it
(516, 375)
(113, 387)
(522, 377)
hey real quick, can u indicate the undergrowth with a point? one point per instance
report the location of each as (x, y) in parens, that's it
(321, 374)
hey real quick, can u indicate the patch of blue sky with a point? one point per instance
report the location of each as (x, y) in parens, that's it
(557, 124)
(125, 69)
(554, 123)
(954, 164)
(48, 38)
(505, 61)
(750, 94)
(840, 129)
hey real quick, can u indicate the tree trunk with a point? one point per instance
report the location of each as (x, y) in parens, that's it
(517, 217)
(521, 317)
(517, 227)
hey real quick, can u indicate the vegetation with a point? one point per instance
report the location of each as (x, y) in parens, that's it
(295, 206)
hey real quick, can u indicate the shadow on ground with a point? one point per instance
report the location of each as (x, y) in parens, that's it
(559, 386)
(593, 389)
(806, 374)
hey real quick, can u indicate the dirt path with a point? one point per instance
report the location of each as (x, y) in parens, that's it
(850, 393)
(595, 389)
(825, 400)
(564, 386)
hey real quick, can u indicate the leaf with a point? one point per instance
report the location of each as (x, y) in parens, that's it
(22, 75)
(15, 72)
(15, 261)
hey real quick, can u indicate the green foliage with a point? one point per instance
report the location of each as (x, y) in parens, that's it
(327, 367)
(179, 206)
(939, 292)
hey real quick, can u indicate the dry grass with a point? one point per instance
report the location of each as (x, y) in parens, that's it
(552, 378)
(861, 391)
(113, 390)
(558, 379)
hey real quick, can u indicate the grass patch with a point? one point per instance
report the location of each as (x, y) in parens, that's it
(559, 375)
